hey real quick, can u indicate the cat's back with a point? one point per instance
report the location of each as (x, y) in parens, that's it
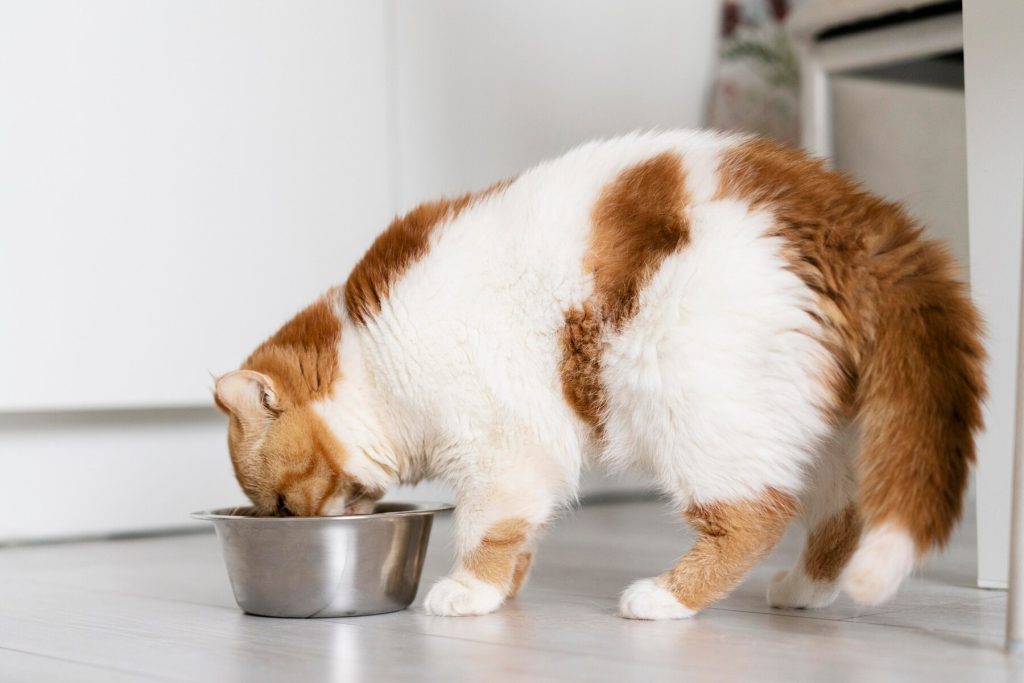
(678, 272)
(545, 222)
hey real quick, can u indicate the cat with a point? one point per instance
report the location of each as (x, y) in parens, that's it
(752, 330)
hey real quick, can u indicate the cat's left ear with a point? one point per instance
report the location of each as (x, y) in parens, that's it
(246, 394)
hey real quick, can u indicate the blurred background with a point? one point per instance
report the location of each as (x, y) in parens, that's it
(177, 178)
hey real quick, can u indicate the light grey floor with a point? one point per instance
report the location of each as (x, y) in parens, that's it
(162, 609)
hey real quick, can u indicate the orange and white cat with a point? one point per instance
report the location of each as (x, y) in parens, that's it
(752, 330)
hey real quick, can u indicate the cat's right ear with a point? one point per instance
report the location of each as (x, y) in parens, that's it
(246, 394)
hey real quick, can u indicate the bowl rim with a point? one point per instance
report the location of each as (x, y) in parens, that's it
(218, 514)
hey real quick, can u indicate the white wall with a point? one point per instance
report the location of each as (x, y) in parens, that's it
(177, 177)
(486, 89)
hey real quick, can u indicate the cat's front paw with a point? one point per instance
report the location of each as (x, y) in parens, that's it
(647, 599)
(464, 596)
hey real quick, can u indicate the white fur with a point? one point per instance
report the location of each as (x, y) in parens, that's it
(831, 485)
(885, 557)
(462, 595)
(338, 506)
(646, 599)
(713, 387)
(354, 413)
(793, 588)
(830, 490)
(334, 507)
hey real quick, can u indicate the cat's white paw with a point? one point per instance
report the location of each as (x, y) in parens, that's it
(462, 597)
(884, 558)
(793, 588)
(646, 599)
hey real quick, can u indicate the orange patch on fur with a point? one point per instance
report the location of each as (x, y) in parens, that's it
(307, 458)
(904, 335)
(520, 572)
(639, 219)
(404, 242)
(831, 544)
(580, 370)
(302, 357)
(731, 538)
(495, 559)
(285, 451)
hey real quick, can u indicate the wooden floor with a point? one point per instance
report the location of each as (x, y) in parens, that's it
(161, 609)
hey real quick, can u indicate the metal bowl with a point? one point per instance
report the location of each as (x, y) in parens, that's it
(325, 566)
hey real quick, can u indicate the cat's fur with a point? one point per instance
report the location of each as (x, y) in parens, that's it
(755, 332)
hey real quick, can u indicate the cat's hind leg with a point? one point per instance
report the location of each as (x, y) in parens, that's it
(814, 580)
(732, 537)
(829, 512)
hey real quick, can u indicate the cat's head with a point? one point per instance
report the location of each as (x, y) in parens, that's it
(286, 453)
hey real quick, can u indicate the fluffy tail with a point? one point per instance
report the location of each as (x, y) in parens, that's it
(918, 400)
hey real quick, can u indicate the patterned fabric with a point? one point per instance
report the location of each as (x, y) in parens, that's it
(757, 81)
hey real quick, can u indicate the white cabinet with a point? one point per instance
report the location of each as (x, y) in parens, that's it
(176, 178)
(905, 141)
(994, 69)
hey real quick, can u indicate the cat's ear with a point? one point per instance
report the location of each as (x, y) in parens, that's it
(246, 394)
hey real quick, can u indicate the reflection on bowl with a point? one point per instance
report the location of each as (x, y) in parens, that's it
(325, 566)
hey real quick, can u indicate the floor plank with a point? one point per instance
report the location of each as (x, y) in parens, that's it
(24, 667)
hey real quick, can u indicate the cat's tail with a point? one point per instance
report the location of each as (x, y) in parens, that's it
(918, 401)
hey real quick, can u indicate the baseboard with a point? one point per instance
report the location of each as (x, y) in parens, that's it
(72, 474)
(80, 475)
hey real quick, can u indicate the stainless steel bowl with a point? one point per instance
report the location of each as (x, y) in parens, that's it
(325, 566)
